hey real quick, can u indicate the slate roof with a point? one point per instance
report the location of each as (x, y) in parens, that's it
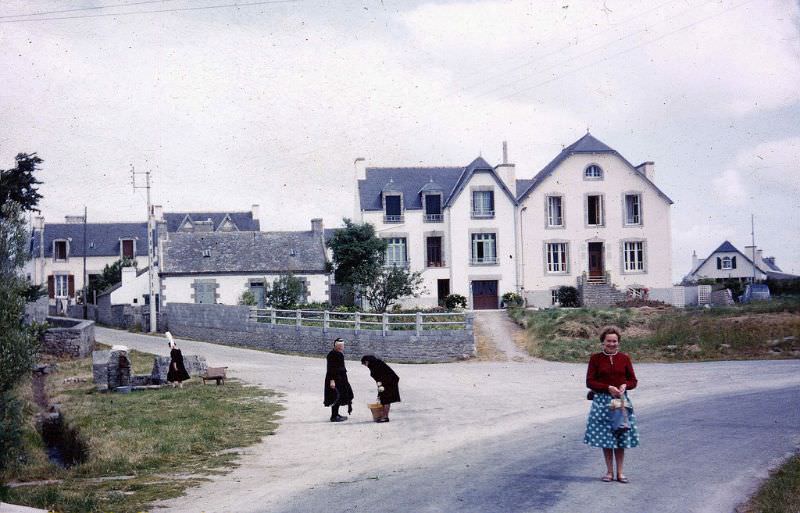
(102, 239)
(243, 220)
(586, 144)
(244, 252)
(725, 247)
(412, 181)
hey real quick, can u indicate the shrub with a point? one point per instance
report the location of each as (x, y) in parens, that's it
(568, 296)
(455, 301)
(248, 298)
(512, 299)
(287, 291)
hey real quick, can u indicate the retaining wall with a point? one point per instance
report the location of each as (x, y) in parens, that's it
(68, 337)
(230, 325)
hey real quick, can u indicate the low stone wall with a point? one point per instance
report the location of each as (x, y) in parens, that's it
(68, 337)
(230, 325)
(195, 366)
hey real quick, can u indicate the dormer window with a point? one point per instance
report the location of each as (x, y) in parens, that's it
(433, 208)
(482, 204)
(60, 250)
(127, 248)
(393, 208)
(727, 263)
(593, 172)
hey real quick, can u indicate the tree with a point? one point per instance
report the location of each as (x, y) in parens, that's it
(391, 284)
(111, 275)
(286, 292)
(18, 344)
(357, 254)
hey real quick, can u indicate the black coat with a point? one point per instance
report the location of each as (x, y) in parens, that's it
(388, 379)
(343, 393)
(177, 371)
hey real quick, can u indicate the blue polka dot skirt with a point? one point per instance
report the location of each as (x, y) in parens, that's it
(598, 426)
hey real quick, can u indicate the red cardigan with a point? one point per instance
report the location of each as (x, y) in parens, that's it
(605, 371)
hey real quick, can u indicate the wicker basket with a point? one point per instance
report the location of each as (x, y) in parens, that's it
(376, 409)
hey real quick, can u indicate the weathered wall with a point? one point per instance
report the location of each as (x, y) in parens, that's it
(230, 325)
(68, 337)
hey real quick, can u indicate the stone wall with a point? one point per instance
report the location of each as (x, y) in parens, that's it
(68, 337)
(230, 325)
(37, 311)
(195, 366)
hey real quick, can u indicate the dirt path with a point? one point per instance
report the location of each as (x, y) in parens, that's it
(498, 337)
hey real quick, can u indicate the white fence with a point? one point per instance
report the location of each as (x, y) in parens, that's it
(417, 321)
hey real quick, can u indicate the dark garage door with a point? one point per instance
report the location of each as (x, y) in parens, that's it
(484, 295)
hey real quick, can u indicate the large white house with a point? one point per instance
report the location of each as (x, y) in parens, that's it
(588, 219)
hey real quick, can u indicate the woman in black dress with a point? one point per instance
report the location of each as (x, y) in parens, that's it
(177, 371)
(387, 381)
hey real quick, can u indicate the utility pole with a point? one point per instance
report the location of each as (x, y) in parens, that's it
(753, 242)
(85, 289)
(150, 250)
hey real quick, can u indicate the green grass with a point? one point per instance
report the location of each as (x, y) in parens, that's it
(669, 334)
(780, 493)
(167, 439)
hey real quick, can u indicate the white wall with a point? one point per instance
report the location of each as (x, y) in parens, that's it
(133, 288)
(178, 289)
(74, 266)
(744, 269)
(618, 179)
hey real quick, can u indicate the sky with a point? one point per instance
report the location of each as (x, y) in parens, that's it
(231, 103)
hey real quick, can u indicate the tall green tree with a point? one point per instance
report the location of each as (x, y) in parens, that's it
(357, 254)
(18, 345)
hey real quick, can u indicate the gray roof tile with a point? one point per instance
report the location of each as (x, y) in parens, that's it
(408, 180)
(243, 220)
(102, 239)
(244, 252)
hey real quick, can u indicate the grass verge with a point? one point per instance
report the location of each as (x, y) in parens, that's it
(143, 446)
(780, 493)
(769, 330)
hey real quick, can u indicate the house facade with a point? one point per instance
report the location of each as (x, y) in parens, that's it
(217, 267)
(447, 222)
(727, 262)
(589, 218)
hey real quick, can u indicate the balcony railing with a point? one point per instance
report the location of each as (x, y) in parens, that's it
(483, 260)
(435, 263)
(396, 263)
(482, 214)
(393, 219)
(434, 218)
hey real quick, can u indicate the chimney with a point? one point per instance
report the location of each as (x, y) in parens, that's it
(73, 219)
(360, 168)
(507, 172)
(158, 212)
(648, 169)
(255, 210)
(695, 262)
(316, 225)
(770, 261)
(760, 258)
(38, 223)
(128, 275)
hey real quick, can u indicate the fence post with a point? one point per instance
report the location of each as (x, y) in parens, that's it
(385, 320)
(357, 324)
(419, 323)
(326, 321)
(299, 316)
(272, 317)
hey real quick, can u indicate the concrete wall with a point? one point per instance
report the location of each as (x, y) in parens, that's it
(68, 337)
(230, 325)
(133, 288)
(568, 182)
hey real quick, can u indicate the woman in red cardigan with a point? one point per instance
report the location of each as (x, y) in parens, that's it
(610, 375)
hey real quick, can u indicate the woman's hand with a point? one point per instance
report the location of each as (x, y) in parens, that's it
(622, 388)
(332, 384)
(614, 391)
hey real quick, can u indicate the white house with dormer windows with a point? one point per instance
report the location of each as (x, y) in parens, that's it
(589, 219)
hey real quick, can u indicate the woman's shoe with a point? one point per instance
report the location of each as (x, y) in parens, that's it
(622, 479)
(607, 478)
(383, 419)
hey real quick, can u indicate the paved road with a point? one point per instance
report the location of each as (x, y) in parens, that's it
(501, 437)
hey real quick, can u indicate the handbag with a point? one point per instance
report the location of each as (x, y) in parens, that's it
(590, 395)
(620, 420)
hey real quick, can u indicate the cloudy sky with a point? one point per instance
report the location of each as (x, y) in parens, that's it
(270, 102)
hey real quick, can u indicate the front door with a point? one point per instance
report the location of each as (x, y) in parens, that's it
(596, 267)
(484, 295)
(443, 290)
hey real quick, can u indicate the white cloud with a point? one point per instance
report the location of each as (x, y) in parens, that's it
(729, 189)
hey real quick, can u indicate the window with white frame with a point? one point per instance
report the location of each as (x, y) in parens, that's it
(396, 251)
(633, 256)
(556, 257)
(594, 210)
(484, 248)
(727, 263)
(633, 209)
(433, 208)
(60, 250)
(61, 284)
(593, 172)
(555, 211)
(554, 297)
(482, 204)
(393, 208)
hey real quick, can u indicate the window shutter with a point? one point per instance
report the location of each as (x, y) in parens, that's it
(51, 287)
(719, 263)
(71, 285)
(733, 262)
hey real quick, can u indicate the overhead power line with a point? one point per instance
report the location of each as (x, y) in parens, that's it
(94, 8)
(153, 11)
